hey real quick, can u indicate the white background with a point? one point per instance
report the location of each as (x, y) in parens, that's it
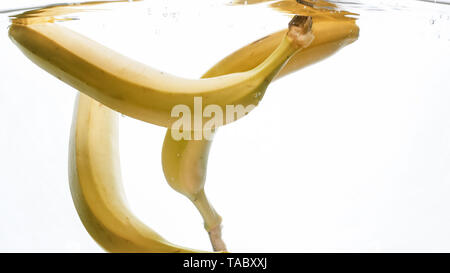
(351, 154)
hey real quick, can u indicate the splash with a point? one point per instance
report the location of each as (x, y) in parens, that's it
(54, 13)
(314, 8)
(249, 2)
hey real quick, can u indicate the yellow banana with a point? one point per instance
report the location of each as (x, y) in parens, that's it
(96, 184)
(185, 161)
(137, 90)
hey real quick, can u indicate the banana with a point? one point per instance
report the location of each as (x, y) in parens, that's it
(185, 161)
(96, 184)
(137, 90)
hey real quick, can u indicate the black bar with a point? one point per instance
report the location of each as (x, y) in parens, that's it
(238, 262)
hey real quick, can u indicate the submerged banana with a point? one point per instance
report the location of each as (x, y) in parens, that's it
(188, 177)
(185, 161)
(96, 184)
(137, 90)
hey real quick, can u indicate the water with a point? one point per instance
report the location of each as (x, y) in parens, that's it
(350, 154)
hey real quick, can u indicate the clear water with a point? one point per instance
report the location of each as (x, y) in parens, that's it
(350, 154)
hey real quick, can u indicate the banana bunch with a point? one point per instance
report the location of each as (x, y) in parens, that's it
(109, 83)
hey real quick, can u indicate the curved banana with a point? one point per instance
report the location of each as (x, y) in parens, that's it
(96, 184)
(185, 161)
(139, 91)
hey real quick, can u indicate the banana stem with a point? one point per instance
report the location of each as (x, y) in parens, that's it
(212, 221)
